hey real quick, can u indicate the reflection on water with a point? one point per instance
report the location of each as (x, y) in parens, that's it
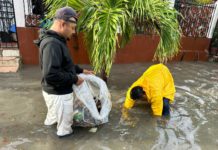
(194, 100)
(13, 145)
(192, 125)
(192, 116)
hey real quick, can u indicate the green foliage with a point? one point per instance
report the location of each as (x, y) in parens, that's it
(102, 21)
(158, 15)
(204, 1)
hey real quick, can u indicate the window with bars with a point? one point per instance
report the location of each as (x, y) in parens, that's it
(35, 11)
(8, 34)
(196, 18)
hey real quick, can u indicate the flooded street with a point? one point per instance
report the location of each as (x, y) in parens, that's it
(193, 124)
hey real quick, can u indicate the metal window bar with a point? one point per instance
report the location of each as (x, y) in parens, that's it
(32, 19)
(196, 21)
(8, 38)
(192, 1)
(35, 11)
(196, 18)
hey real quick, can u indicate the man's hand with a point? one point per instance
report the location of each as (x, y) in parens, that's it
(80, 80)
(125, 114)
(161, 121)
(85, 71)
(126, 119)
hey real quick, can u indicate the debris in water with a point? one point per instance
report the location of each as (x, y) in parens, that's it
(184, 88)
(189, 81)
(121, 100)
(93, 130)
(196, 97)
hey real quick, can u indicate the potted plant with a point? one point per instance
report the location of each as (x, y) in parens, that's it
(107, 24)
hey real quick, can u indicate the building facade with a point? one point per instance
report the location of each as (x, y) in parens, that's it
(20, 22)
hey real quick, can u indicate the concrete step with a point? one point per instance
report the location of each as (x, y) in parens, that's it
(10, 52)
(9, 63)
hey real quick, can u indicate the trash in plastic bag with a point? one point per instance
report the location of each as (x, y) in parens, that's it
(92, 103)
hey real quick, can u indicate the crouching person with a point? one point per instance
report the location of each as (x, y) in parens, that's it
(59, 73)
(156, 87)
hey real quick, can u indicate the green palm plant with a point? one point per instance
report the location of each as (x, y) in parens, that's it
(100, 21)
(107, 24)
(157, 14)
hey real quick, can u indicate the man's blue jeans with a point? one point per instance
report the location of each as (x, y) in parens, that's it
(166, 107)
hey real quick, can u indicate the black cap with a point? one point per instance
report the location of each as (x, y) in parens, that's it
(65, 13)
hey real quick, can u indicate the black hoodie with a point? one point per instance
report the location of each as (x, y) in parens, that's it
(58, 71)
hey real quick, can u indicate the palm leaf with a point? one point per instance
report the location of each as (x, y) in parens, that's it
(157, 14)
(102, 20)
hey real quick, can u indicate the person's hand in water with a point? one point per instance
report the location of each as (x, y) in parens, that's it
(161, 121)
(85, 71)
(126, 119)
(125, 114)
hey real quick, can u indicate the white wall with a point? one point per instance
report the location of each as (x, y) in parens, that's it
(19, 13)
(213, 21)
(172, 2)
(28, 10)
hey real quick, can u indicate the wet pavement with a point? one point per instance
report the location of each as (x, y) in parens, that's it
(192, 125)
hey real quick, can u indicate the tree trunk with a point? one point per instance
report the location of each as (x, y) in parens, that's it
(103, 75)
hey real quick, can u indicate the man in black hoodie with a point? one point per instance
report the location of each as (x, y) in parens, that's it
(58, 71)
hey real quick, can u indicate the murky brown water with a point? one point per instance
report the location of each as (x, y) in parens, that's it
(192, 125)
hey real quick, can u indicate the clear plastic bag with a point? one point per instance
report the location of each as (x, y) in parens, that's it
(92, 103)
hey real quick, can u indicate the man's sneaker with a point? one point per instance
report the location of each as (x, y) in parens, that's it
(63, 136)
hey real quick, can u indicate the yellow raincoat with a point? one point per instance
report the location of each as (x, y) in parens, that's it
(157, 82)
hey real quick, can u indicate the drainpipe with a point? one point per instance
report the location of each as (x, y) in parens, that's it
(104, 75)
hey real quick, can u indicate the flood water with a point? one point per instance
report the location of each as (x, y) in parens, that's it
(192, 125)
